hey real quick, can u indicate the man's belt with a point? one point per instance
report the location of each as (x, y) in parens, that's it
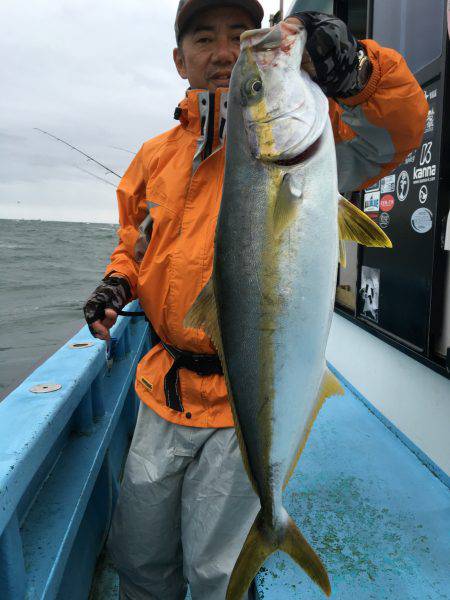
(202, 364)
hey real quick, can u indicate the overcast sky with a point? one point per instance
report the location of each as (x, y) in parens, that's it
(99, 74)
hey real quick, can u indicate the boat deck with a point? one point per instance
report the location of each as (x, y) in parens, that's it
(379, 519)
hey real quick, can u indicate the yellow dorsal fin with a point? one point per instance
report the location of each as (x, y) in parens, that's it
(330, 386)
(203, 315)
(356, 226)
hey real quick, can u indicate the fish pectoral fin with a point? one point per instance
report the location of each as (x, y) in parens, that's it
(257, 548)
(203, 315)
(356, 226)
(286, 204)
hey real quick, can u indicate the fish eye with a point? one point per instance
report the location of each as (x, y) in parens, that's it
(256, 86)
(253, 87)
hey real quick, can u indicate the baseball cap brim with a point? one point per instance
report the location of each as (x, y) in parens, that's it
(253, 7)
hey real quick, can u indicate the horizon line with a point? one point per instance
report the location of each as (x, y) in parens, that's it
(59, 221)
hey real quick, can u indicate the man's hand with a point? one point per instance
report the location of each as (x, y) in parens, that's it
(334, 58)
(104, 304)
(100, 329)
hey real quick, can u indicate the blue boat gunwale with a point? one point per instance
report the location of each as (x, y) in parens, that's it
(91, 419)
(31, 443)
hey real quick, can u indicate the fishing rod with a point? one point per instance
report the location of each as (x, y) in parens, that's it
(96, 176)
(123, 150)
(121, 313)
(91, 158)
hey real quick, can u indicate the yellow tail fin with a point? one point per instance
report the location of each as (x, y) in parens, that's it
(260, 545)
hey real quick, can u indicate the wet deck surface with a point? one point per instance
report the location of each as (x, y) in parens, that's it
(374, 513)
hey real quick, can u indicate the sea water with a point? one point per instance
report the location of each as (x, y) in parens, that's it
(47, 271)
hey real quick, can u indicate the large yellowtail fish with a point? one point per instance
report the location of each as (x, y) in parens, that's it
(269, 304)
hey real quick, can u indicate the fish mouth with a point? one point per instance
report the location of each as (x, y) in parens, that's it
(302, 157)
(254, 32)
(290, 114)
(280, 36)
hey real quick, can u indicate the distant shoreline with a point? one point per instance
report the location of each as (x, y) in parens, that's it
(58, 221)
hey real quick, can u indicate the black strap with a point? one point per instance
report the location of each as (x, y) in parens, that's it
(202, 364)
(125, 313)
(154, 337)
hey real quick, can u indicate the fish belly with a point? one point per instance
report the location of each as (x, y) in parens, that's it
(306, 288)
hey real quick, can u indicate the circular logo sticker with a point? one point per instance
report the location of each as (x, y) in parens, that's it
(387, 203)
(422, 220)
(423, 194)
(403, 186)
(385, 220)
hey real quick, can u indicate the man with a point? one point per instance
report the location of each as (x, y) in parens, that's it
(186, 504)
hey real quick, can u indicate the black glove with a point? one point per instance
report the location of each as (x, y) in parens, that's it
(337, 56)
(114, 292)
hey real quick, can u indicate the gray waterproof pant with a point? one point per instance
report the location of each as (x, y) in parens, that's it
(185, 509)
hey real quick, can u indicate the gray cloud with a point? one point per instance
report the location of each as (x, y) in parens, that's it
(97, 74)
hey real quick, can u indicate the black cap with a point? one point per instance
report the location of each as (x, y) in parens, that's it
(187, 9)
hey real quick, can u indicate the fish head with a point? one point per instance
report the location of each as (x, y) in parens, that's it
(285, 112)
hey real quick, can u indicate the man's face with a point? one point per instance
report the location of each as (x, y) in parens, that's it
(211, 46)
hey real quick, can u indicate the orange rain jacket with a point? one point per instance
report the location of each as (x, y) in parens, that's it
(170, 188)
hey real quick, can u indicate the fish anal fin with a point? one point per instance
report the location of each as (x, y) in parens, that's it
(259, 546)
(286, 205)
(329, 387)
(356, 226)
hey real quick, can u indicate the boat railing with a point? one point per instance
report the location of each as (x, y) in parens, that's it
(64, 434)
